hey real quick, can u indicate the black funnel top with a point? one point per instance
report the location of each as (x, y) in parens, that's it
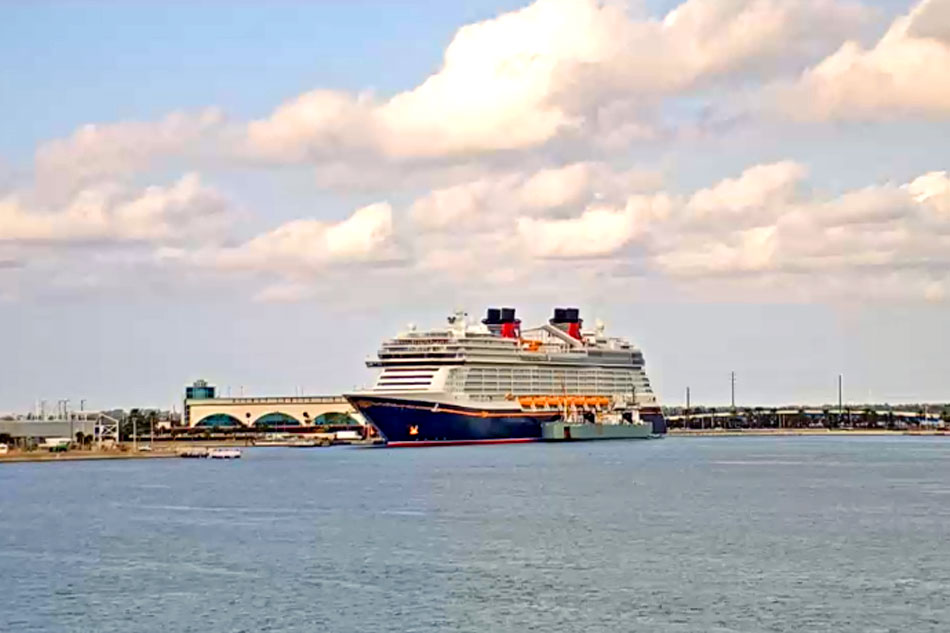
(493, 317)
(566, 315)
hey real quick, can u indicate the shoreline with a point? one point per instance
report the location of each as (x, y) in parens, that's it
(160, 450)
(800, 432)
(80, 456)
(172, 450)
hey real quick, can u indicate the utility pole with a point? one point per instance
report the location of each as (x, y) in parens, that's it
(687, 407)
(135, 443)
(840, 402)
(72, 433)
(733, 383)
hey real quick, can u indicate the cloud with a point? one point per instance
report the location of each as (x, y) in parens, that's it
(511, 150)
(748, 250)
(555, 68)
(763, 232)
(95, 152)
(307, 245)
(907, 72)
(744, 236)
(496, 198)
(10, 264)
(598, 231)
(580, 73)
(859, 234)
(184, 211)
(933, 191)
(284, 293)
(756, 195)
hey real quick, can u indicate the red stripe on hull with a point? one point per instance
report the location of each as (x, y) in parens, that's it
(507, 440)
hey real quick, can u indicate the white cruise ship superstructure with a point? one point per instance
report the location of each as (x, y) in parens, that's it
(494, 382)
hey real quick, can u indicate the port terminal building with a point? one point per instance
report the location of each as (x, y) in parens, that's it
(203, 409)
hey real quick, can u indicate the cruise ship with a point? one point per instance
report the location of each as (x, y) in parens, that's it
(494, 382)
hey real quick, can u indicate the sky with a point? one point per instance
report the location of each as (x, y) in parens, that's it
(258, 193)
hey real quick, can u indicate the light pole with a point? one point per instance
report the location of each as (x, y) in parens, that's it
(687, 407)
(732, 382)
(733, 385)
(72, 434)
(840, 402)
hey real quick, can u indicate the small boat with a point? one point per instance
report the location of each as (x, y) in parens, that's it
(193, 453)
(224, 453)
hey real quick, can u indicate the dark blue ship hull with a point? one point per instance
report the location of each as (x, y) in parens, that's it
(419, 423)
(656, 419)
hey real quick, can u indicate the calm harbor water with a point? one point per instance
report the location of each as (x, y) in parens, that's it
(713, 534)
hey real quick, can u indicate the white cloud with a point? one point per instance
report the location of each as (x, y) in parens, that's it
(570, 71)
(184, 211)
(284, 293)
(497, 199)
(765, 231)
(906, 73)
(754, 197)
(598, 231)
(748, 250)
(553, 68)
(304, 246)
(553, 79)
(106, 151)
(860, 235)
(932, 190)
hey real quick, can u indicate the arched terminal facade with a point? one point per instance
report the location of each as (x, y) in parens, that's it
(280, 413)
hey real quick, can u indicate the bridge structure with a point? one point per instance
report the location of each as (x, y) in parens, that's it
(798, 417)
(202, 410)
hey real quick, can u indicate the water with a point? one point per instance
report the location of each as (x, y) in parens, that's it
(747, 534)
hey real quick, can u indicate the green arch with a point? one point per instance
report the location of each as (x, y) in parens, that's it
(219, 420)
(276, 419)
(335, 418)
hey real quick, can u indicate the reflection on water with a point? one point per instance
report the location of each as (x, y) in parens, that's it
(698, 534)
